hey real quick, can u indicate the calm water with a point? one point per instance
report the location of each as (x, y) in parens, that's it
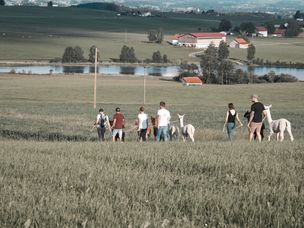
(166, 71)
(299, 73)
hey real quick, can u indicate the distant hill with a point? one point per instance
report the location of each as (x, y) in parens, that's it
(100, 6)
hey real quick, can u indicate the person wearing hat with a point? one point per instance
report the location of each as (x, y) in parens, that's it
(118, 124)
(257, 114)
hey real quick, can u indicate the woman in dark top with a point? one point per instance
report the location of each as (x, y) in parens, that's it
(231, 116)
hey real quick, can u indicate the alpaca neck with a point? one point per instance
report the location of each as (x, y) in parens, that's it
(269, 118)
(181, 123)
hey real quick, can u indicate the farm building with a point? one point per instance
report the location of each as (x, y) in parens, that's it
(201, 40)
(174, 39)
(239, 43)
(261, 31)
(192, 81)
(279, 32)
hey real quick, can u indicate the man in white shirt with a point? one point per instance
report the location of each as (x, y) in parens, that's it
(142, 120)
(163, 120)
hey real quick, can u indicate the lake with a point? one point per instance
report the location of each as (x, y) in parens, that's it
(165, 71)
(299, 73)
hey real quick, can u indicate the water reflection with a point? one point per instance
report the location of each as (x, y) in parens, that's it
(127, 70)
(73, 69)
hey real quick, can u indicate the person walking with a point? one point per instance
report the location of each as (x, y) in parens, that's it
(256, 118)
(163, 120)
(102, 122)
(142, 120)
(118, 124)
(231, 116)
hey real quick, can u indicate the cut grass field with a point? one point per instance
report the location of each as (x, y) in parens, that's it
(32, 33)
(212, 183)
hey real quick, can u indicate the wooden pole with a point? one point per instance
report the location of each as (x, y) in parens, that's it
(144, 85)
(95, 79)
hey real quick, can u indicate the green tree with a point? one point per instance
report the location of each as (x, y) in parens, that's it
(250, 57)
(225, 25)
(152, 36)
(226, 68)
(293, 29)
(223, 51)
(68, 55)
(156, 57)
(127, 55)
(248, 28)
(297, 14)
(250, 52)
(270, 27)
(165, 59)
(78, 54)
(92, 54)
(209, 64)
(73, 55)
(156, 36)
(2, 3)
(223, 54)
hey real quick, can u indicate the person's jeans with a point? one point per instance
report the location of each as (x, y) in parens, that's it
(230, 127)
(143, 134)
(162, 131)
(101, 134)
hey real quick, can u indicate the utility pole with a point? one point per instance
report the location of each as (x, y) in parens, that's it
(95, 79)
(144, 85)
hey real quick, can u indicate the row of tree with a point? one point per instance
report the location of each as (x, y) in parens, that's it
(127, 55)
(248, 28)
(217, 68)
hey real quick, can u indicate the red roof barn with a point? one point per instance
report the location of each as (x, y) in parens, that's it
(192, 81)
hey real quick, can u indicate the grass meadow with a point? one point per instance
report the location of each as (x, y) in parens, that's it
(53, 172)
(41, 34)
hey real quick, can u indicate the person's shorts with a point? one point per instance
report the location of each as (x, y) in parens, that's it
(255, 127)
(115, 131)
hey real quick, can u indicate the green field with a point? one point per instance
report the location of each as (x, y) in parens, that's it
(32, 33)
(76, 182)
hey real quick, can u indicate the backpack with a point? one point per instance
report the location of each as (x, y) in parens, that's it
(102, 121)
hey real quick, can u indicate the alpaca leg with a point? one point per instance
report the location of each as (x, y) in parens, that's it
(278, 136)
(191, 137)
(269, 136)
(289, 132)
(281, 136)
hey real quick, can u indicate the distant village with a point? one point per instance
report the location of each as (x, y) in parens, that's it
(204, 39)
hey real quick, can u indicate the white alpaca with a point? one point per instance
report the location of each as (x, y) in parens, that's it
(278, 126)
(173, 132)
(187, 130)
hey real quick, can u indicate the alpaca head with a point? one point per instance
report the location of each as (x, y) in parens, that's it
(181, 120)
(267, 107)
(268, 114)
(180, 116)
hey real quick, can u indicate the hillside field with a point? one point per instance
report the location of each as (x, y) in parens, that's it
(53, 172)
(32, 33)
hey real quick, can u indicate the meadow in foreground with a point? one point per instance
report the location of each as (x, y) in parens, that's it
(79, 183)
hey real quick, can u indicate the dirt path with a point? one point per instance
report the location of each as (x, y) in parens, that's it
(193, 54)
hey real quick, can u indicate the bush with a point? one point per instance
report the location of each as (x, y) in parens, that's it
(73, 55)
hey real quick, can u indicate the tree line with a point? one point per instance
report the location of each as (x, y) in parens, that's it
(127, 55)
(292, 26)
